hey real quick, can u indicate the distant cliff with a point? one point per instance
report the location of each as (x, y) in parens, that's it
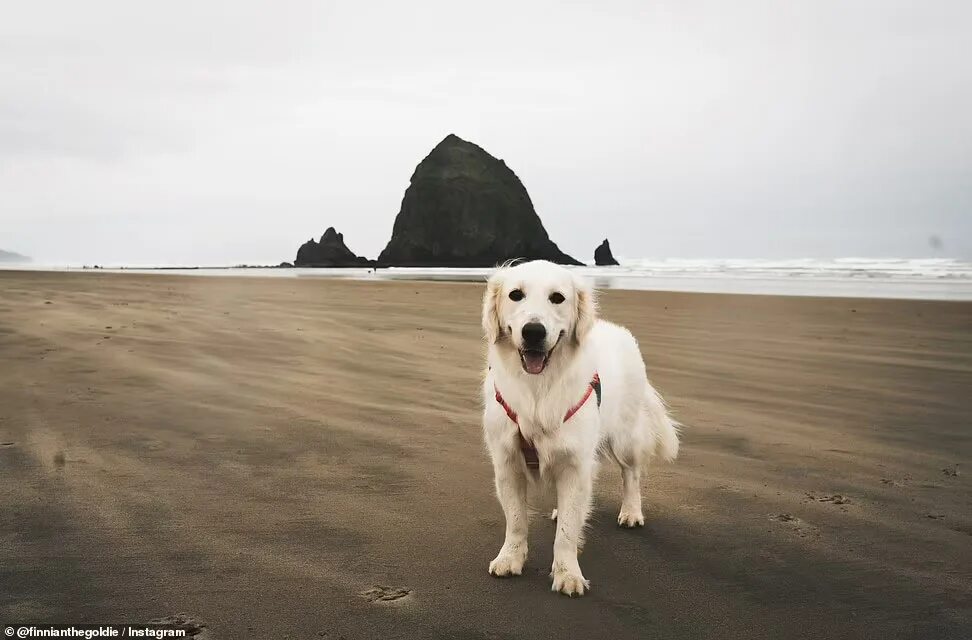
(330, 251)
(9, 257)
(465, 208)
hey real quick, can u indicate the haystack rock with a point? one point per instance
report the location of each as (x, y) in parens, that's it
(329, 252)
(465, 208)
(603, 256)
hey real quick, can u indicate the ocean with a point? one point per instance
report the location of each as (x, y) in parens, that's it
(926, 278)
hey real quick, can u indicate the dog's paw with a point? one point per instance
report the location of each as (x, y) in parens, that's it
(630, 519)
(570, 583)
(507, 564)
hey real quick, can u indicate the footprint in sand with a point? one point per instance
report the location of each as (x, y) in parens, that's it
(381, 593)
(797, 525)
(833, 499)
(193, 627)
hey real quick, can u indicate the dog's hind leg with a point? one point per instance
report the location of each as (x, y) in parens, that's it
(655, 434)
(630, 449)
(631, 515)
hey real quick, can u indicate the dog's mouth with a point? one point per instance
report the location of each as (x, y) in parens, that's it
(534, 361)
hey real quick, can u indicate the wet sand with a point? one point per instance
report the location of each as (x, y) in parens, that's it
(302, 458)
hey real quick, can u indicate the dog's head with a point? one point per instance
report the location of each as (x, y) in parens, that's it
(535, 308)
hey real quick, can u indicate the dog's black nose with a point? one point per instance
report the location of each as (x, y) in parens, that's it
(534, 333)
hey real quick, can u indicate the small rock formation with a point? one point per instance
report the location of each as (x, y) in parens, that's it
(13, 258)
(465, 208)
(603, 256)
(329, 252)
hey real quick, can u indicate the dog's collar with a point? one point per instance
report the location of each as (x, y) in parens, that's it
(529, 451)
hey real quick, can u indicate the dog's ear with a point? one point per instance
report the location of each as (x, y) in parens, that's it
(586, 309)
(491, 321)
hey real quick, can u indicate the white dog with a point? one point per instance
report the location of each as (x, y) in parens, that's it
(561, 387)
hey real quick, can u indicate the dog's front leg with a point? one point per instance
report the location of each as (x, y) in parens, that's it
(511, 489)
(573, 504)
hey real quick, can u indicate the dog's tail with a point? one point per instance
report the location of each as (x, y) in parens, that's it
(664, 428)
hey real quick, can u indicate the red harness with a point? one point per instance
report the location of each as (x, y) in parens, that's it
(529, 451)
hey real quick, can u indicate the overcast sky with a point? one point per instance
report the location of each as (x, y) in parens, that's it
(222, 132)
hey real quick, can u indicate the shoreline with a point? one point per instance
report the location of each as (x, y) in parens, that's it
(957, 287)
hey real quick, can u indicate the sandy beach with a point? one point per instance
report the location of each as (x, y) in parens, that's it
(302, 458)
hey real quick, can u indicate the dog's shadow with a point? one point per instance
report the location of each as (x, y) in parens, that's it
(607, 545)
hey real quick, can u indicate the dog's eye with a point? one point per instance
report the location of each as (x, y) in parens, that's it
(516, 295)
(556, 297)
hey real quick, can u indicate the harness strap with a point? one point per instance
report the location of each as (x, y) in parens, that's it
(529, 451)
(593, 386)
(506, 406)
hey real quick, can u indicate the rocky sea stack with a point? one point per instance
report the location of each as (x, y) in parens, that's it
(603, 256)
(465, 208)
(329, 252)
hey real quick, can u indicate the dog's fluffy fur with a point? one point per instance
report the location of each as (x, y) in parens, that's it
(631, 425)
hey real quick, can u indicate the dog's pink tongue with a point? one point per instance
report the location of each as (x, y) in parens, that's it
(533, 361)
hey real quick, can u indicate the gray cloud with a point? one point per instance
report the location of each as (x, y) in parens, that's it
(212, 132)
